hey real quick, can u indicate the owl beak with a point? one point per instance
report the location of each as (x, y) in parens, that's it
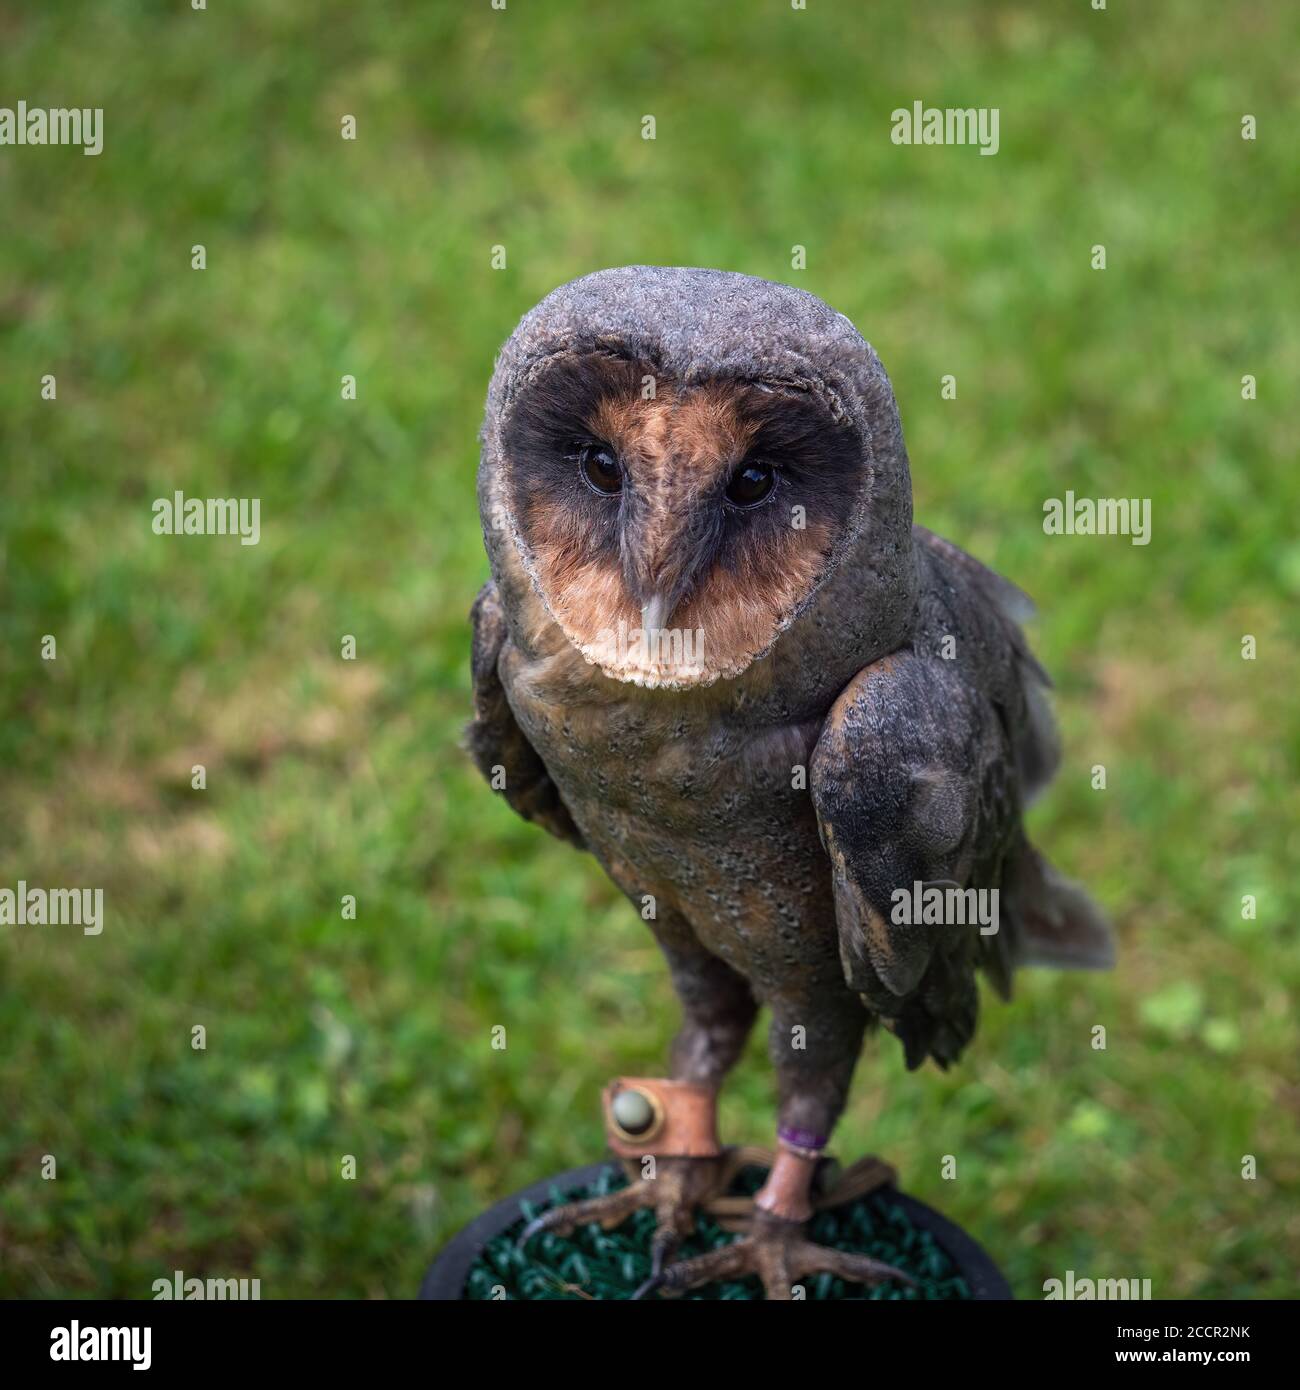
(655, 614)
(662, 557)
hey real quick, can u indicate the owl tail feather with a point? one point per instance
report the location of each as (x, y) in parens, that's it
(1056, 923)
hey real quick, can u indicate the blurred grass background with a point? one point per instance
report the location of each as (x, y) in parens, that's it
(476, 127)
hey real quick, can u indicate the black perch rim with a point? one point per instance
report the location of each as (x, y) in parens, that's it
(448, 1274)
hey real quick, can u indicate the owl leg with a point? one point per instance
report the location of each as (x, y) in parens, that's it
(676, 1166)
(814, 1051)
(718, 1008)
(665, 1133)
(718, 1012)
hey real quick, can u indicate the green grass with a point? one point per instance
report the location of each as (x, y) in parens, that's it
(373, 1038)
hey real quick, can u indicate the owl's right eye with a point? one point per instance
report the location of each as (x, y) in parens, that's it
(599, 469)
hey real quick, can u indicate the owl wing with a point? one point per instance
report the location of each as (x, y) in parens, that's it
(497, 744)
(914, 784)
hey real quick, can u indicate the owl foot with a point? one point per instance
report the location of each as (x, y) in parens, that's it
(777, 1251)
(678, 1188)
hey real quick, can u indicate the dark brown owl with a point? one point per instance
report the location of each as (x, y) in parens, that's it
(716, 653)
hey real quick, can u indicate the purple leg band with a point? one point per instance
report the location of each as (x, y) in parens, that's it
(801, 1138)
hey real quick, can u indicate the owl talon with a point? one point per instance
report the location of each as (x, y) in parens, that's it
(654, 1282)
(682, 1186)
(607, 1211)
(777, 1252)
(662, 1248)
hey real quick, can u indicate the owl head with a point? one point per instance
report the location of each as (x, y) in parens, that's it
(680, 460)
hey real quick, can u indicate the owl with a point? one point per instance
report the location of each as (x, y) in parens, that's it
(798, 731)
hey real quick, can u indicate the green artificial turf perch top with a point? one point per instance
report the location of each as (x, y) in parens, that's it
(597, 1264)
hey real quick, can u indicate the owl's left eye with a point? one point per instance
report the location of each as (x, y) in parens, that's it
(751, 484)
(599, 469)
